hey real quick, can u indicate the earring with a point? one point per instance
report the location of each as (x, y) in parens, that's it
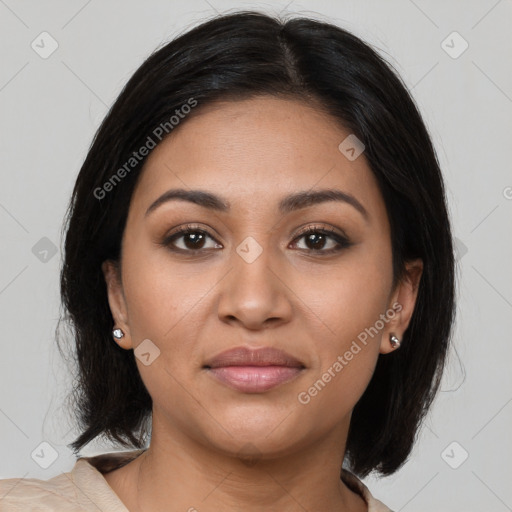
(117, 333)
(395, 342)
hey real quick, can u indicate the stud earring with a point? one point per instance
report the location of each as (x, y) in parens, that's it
(117, 333)
(395, 342)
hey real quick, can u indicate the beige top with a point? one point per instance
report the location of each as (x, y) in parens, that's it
(84, 489)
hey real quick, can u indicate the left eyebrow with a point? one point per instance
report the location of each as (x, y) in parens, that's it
(308, 198)
(288, 204)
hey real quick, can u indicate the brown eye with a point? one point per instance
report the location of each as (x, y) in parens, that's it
(190, 239)
(315, 240)
(193, 240)
(323, 241)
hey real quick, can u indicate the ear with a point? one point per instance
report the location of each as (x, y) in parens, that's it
(402, 302)
(117, 301)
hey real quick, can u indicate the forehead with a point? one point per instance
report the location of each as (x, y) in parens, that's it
(253, 152)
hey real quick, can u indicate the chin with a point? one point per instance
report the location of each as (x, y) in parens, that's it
(256, 433)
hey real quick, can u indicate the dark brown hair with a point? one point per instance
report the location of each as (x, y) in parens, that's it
(238, 56)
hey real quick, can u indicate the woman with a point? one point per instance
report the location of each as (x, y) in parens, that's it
(259, 271)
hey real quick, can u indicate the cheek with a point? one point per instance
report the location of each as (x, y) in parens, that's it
(162, 300)
(349, 299)
(349, 304)
(169, 303)
(349, 296)
(160, 293)
(336, 389)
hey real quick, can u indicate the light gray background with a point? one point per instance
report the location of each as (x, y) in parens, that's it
(50, 109)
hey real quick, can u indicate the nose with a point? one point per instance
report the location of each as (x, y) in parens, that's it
(254, 294)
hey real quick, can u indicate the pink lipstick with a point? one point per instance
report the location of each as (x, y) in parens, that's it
(254, 370)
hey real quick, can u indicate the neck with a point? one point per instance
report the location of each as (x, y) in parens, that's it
(176, 473)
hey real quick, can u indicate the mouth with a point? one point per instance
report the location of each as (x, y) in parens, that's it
(254, 370)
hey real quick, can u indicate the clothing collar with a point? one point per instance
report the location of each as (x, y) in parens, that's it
(106, 462)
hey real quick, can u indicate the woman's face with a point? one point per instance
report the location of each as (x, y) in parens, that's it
(247, 274)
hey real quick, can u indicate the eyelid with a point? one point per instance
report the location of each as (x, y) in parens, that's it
(317, 227)
(183, 230)
(338, 235)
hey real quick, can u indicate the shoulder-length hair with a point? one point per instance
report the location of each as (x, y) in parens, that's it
(235, 57)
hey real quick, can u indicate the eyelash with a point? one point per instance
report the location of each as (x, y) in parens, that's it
(342, 241)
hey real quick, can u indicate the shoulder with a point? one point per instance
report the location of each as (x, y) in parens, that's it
(26, 494)
(82, 489)
(354, 483)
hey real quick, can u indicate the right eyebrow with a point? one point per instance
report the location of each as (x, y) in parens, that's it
(199, 197)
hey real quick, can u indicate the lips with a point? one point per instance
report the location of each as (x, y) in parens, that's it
(254, 370)
(243, 356)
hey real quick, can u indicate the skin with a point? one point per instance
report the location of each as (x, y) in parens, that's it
(194, 306)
